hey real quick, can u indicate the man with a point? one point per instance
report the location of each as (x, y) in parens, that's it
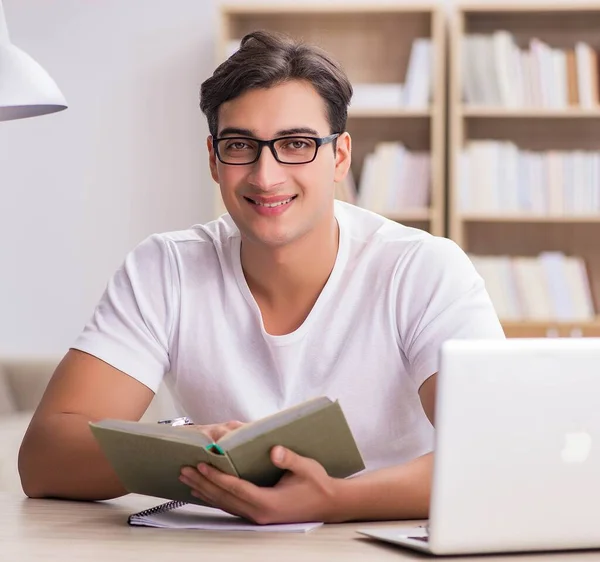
(288, 296)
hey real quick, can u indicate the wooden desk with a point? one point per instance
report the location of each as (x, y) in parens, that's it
(53, 530)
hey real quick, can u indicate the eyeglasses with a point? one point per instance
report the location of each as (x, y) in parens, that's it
(239, 151)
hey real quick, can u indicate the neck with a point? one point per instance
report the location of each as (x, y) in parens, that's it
(298, 270)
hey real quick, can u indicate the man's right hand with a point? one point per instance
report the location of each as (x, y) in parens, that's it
(214, 431)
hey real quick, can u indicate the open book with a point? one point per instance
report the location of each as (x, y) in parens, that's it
(148, 457)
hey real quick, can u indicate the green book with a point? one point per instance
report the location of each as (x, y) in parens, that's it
(148, 457)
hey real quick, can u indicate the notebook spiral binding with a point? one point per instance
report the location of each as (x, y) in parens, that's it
(162, 508)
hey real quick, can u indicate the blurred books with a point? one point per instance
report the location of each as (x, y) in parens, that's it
(499, 72)
(551, 286)
(395, 180)
(414, 93)
(498, 177)
(346, 190)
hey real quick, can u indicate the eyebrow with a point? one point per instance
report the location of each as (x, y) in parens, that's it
(229, 131)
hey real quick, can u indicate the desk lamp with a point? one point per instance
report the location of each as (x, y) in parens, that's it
(26, 89)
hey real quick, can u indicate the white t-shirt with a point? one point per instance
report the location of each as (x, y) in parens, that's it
(180, 306)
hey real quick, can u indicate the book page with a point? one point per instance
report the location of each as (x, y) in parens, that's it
(264, 425)
(209, 519)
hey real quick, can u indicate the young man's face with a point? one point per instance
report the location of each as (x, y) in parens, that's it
(307, 190)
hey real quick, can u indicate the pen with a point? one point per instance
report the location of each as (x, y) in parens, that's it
(177, 421)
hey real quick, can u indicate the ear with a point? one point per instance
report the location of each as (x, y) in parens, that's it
(343, 156)
(212, 159)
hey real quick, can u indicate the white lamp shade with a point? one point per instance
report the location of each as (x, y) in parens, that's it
(26, 89)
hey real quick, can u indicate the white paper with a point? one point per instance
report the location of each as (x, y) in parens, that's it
(192, 516)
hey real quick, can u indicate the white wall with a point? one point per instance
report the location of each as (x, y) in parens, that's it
(80, 188)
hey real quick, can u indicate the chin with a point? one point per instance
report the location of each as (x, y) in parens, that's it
(271, 240)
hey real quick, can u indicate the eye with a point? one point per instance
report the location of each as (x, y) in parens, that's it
(296, 144)
(237, 145)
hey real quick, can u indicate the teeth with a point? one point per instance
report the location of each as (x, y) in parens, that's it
(273, 204)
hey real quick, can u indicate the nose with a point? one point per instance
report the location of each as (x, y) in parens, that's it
(266, 172)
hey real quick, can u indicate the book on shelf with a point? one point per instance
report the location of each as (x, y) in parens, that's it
(498, 177)
(418, 81)
(377, 95)
(414, 93)
(395, 180)
(148, 457)
(549, 287)
(497, 71)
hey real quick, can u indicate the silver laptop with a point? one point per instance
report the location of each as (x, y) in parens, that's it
(517, 449)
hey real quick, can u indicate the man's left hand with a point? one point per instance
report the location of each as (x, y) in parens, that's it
(305, 492)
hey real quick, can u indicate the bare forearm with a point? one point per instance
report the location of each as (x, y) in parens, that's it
(60, 458)
(399, 492)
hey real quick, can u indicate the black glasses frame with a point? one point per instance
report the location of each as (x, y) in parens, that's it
(319, 142)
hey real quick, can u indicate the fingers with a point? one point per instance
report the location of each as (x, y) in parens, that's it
(217, 430)
(302, 466)
(220, 430)
(222, 490)
(213, 432)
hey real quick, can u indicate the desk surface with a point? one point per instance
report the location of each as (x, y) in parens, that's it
(55, 530)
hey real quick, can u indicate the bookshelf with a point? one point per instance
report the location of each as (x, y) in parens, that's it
(529, 329)
(374, 44)
(525, 97)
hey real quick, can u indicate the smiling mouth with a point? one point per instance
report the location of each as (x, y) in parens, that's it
(271, 205)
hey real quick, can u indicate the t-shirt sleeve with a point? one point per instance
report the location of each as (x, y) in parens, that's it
(131, 326)
(441, 297)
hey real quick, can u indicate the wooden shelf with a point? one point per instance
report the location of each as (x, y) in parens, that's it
(513, 8)
(400, 113)
(560, 25)
(373, 43)
(320, 8)
(528, 113)
(519, 218)
(551, 328)
(418, 215)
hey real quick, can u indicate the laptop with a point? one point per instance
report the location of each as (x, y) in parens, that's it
(517, 449)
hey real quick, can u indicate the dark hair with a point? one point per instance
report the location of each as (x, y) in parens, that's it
(266, 59)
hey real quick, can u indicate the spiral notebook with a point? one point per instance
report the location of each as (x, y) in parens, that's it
(182, 515)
